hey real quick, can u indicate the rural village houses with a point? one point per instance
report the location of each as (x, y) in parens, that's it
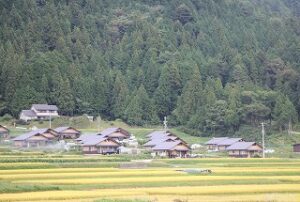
(107, 141)
(236, 147)
(36, 138)
(39, 112)
(4, 132)
(166, 144)
(244, 149)
(67, 132)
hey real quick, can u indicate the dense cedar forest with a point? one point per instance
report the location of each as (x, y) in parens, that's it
(208, 65)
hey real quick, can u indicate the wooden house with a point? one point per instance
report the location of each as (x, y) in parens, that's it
(28, 115)
(39, 111)
(97, 144)
(296, 147)
(153, 142)
(222, 145)
(115, 133)
(67, 132)
(166, 144)
(4, 132)
(213, 143)
(36, 138)
(244, 150)
(160, 134)
(171, 149)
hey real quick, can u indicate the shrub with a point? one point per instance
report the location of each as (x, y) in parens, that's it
(6, 117)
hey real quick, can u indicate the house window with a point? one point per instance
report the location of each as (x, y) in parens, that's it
(243, 152)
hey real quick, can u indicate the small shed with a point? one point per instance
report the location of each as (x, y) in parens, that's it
(4, 132)
(296, 147)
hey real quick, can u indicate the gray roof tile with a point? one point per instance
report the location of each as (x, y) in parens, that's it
(166, 145)
(216, 140)
(229, 141)
(31, 133)
(29, 113)
(240, 146)
(45, 107)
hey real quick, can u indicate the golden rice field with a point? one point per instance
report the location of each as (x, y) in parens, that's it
(100, 178)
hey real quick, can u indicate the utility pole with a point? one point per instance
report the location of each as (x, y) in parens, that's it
(50, 125)
(165, 124)
(263, 138)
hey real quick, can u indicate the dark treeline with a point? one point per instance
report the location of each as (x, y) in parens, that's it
(209, 65)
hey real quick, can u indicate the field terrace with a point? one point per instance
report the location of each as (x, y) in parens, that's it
(34, 176)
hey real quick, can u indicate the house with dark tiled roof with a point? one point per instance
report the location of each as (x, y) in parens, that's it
(116, 133)
(36, 138)
(213, 143)
(221, 146)
(98, 144)
(159, 134)
(244, 149)
(153, 142)
(4, 132)
(28, 115)
(39, 111)
(67, 132)
(166, 144)
(171, 149)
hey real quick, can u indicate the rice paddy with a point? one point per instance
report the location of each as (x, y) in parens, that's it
(99, 178)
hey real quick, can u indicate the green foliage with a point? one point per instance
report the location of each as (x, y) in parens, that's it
(140, 110)
(94, 57)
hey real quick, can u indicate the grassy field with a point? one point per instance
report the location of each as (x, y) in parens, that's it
(34, 176)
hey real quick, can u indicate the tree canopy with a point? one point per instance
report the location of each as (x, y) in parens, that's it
(208, 65)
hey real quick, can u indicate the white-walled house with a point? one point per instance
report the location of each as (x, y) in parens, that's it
(39, 111)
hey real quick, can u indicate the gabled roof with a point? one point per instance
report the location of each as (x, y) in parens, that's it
(167, 145)
(45, 107)
(109, 131)
(241, 146)
(93, 140)
(61, 129)
(29, 113)
(32, 133)
(158, 133)
(89, 140)
(83, 137)
(216, 140)
(157, 141)
(229, 141)
(4, 127)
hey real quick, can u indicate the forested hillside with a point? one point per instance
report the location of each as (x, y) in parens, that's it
(208, 65)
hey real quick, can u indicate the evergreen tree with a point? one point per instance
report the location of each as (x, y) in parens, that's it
(120, 96)
(191, 99)
(65, 100)
(169, 88)
(284, 112)
(140, 110)
(23, 99)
